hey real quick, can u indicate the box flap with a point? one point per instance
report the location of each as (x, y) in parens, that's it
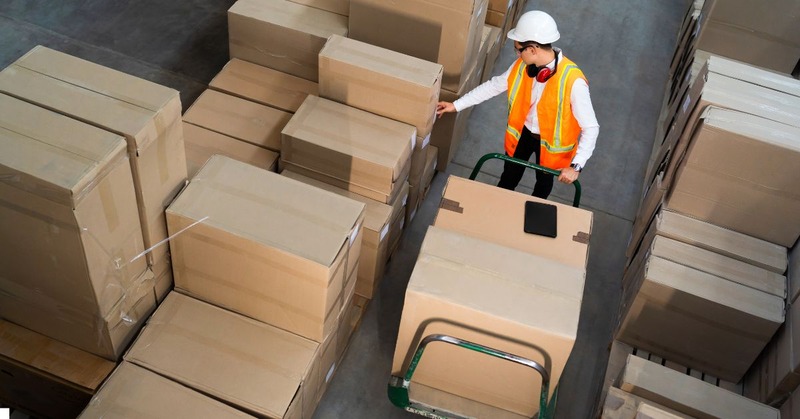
(134, 392)
(50, 155)
(383, 61)
(376, 214)
(269, 209)
(749, 73)
(754, 127)
(244, 362)
(747, 97)
(302, 18)
(201, 144)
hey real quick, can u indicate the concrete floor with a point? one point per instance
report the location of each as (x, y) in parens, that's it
(623, 47)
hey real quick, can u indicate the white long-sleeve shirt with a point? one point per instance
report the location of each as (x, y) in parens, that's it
(580, 100)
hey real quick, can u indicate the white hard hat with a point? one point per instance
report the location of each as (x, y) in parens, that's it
(535, 26)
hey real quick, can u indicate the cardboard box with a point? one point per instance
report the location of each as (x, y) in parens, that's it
(687, 394)
(69, 226)
(793, 273)
(146, 114)
(419, 191)
(444, 32)
(263, 85)
(700, 320)
(44, 377)
(132, 391)
(381, 81)
(242, 119)
(620, 404)
(265, 246)
(450, 129)
(495, 43)
(349, 148)
(281, 34)
(750, 46)
(202, 143)
(790, 409)
(252, 366)
(163, 278)
(340, 7)
(495, 18)
(483, 293)
(778, 20)
(418, 157)
(496, 215)
(375, 239)
(719, 181)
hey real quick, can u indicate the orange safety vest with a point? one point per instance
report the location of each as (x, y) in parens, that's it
(558, 128)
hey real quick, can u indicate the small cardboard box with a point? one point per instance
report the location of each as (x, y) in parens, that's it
(134, 392)
(497, 215)
(349, 148)
(45, 377)
(381, 81)
(203, 143)
(495, 296)
(242, 119)
(265, 246)
(146, 114)
(444, 32)
(282, 35)
(263, 85)
(255, 367)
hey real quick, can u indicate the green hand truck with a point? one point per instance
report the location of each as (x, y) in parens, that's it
(398, 388)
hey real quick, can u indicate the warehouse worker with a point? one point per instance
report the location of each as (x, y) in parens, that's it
(550, 111)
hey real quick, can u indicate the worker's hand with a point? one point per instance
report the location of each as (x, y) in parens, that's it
(444, 107)
(568, 175)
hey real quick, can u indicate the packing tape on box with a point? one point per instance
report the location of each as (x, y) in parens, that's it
(165, 241)
(450, 205)
(581, 237)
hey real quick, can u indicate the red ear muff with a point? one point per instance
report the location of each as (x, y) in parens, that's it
(541, 74)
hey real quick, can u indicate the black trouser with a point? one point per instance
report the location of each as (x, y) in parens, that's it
(529, 143)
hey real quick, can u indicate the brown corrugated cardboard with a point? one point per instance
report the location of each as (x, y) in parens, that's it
(778, 19)
(265, 246)
(793, 273)
(492, 51)
(263, 85)
(700, 320)
(687, 394)
(252, 366)
(418, 157)
(496, 215)
(418, 192)
(447, 402)
(69, 227)
(133, 392)
(146, 114)
(368, 153)
(202, 143)
(721, 182)
(449, 130)
(282, 35)
(375, 241)
(238, 118)
(495, 18)
(381, 81)
(484, 293)
(443, 31)
(45, 377)
(750, 46)
(790, 409)
(162, 271)
(620, 404)
(340, 7)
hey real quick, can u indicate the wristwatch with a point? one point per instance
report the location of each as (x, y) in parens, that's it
(576, 167)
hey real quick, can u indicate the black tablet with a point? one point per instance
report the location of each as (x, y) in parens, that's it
(540, 218)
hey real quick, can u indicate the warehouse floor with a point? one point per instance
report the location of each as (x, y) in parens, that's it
(623, 49)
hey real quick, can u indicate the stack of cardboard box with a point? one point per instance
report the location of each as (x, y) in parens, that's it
(479, 277)
(91, 158)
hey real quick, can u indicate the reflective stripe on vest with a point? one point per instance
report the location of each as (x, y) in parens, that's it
(557, 132)
(519, 103)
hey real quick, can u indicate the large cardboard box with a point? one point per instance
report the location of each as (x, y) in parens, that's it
(44, 377)
(496, 215)
(202, 143)
(418, 158)
(420, 191)
(376, 238)
(495, 44)
(340, 7)
(486, 293)
(146, 114)
(442, 31)
(265, 246)
(381, 81)
(687, 394)
(133, 391)
(281, 34)
(255, 367)
(723, 180)
(778, 19)
(69, 228)
(700, 320)
(263, 85)
(756, 48)
(238, 118)
(349, 148)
